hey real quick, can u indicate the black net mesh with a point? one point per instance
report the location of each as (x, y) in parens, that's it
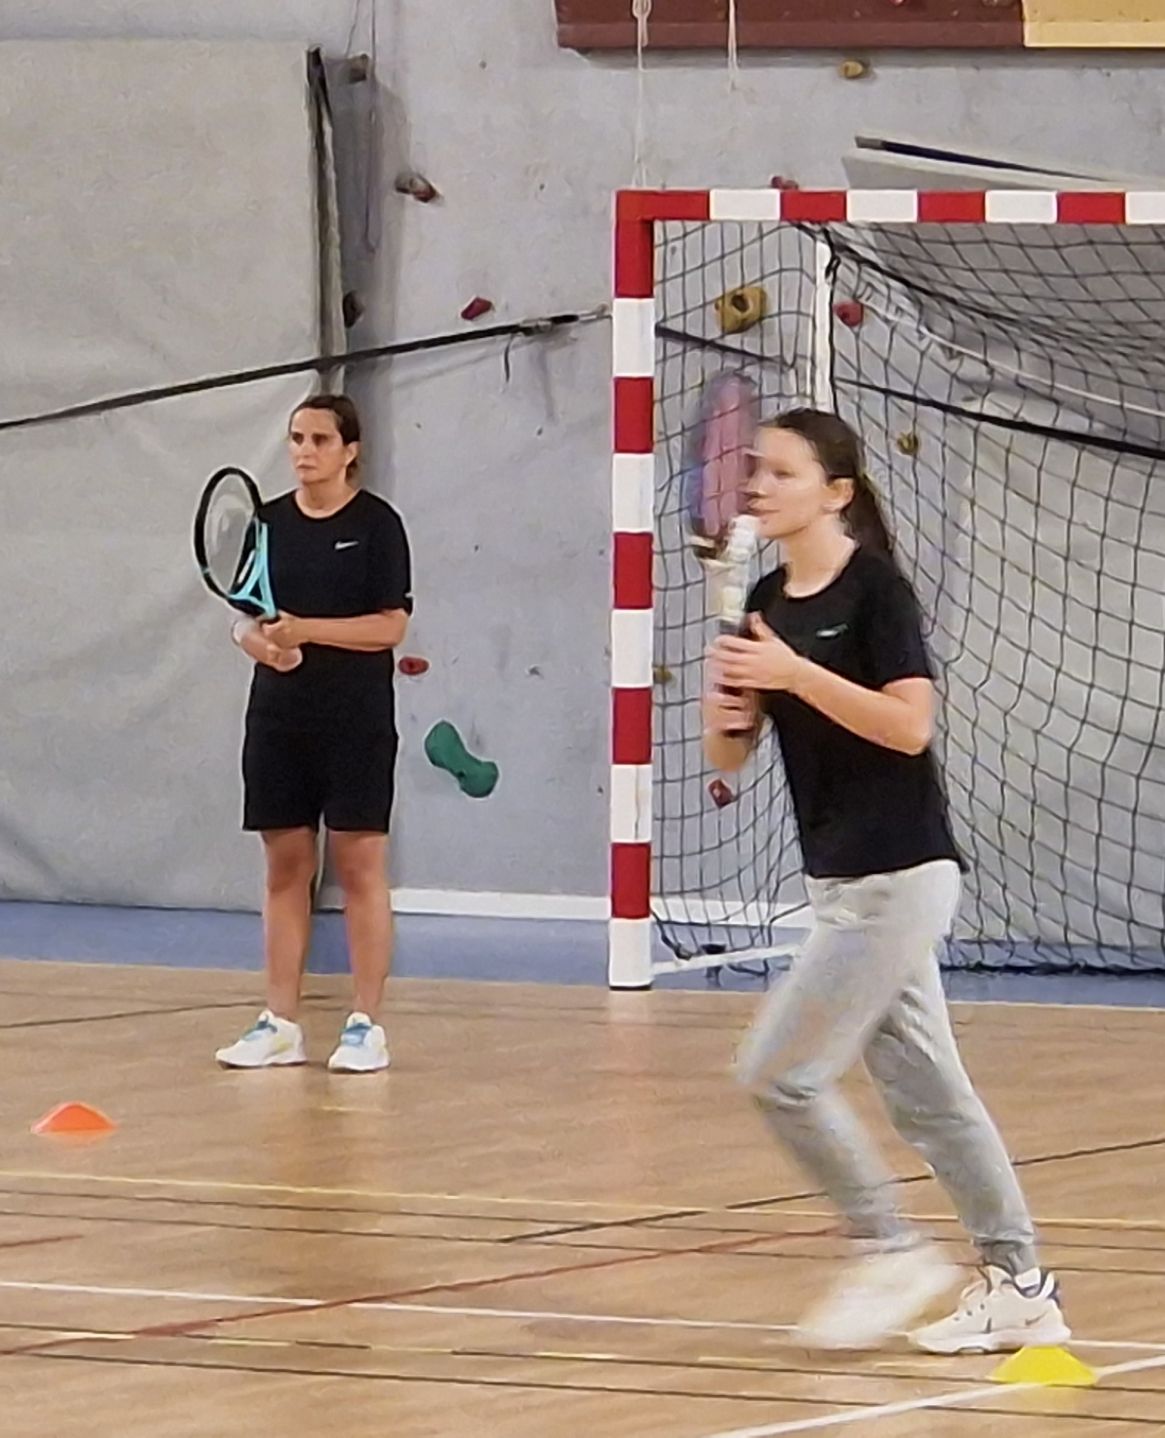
(1009, 383)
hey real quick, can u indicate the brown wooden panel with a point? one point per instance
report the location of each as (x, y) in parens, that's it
(167, 1270)
(1115, 24)
(797, 24)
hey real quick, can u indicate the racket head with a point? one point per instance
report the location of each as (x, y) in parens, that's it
(719, 463)
(231, 543)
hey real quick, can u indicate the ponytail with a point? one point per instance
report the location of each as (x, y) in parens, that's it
(866, 520)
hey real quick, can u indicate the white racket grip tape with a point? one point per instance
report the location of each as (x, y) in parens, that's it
(737, 568)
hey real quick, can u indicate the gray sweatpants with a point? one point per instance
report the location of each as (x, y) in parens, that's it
(866, 986)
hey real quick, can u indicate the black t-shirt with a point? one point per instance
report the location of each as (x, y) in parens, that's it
(860, 808)
(354, 562)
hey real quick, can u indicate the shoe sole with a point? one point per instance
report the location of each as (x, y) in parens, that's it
(1007, 1340)
(922, 1294)
(346, 1069)
(276, 1063)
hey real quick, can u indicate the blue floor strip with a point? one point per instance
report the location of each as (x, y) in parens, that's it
(498, 950)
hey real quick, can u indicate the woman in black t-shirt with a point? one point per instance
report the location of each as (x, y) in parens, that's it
(321, 730)
(833, 657)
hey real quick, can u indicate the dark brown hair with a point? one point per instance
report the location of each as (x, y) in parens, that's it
(839, 453)
(347, 419)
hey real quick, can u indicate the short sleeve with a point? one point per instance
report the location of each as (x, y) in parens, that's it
(760, 594)
(391, 575)
(895, 648)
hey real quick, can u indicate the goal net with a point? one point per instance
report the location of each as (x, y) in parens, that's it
(1008, 379)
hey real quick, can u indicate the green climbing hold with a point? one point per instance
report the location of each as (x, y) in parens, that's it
(445, 749)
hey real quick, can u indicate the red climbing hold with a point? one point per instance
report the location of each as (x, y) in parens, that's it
(413, 664)
(720, 794)
(476, 308)
(850, 312)
(417, 187)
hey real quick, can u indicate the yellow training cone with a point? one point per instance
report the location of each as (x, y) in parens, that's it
(1048, 1367)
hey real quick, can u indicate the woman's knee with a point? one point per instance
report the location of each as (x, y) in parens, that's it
(291, 860)
(359, 863)
(775, 1085)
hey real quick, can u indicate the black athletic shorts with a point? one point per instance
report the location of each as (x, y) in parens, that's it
(294, 777)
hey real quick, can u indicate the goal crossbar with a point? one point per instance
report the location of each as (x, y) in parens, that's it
(637, 215)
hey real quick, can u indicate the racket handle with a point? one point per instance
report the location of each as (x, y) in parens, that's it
(746, 730)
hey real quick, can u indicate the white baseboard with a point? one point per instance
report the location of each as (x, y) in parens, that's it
(589, 908)
(457, 903)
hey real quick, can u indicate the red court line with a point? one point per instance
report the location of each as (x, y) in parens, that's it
(182, 1330)
(36, 1242)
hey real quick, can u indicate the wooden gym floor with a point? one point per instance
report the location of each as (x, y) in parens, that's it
(554, 1217)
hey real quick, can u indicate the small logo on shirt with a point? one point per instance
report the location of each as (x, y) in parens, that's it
(834, 633)
(347, 543)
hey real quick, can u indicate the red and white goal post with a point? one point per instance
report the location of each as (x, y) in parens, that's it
(675, 253)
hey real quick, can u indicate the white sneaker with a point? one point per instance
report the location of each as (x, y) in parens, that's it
(877, 1297)
(999, 1314)
(363, 1047)
(269, 1042)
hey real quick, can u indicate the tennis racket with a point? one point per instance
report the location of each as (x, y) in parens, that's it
(231, 544)
(717, 476)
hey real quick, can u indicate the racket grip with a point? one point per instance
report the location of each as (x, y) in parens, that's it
(746, 731)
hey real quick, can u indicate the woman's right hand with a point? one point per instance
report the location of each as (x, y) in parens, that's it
(255, 644)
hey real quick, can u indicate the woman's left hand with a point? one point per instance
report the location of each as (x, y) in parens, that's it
(288, 631)
(762, 662)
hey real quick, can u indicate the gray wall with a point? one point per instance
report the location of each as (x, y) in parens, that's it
(119, 700)
(505, 486)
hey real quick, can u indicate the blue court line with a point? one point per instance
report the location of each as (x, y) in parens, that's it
(488, 950)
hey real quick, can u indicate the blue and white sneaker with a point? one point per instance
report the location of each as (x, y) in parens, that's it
(1000, 1314)
(363, 1047)
(268, 1043)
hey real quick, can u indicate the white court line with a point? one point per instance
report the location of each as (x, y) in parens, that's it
(526, 1314)
(1061, 1008)
(632, 1210)
(917, 1405)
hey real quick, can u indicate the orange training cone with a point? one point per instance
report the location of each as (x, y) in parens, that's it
(74, 1118)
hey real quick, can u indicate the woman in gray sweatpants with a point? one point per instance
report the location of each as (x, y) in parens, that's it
(833, 656)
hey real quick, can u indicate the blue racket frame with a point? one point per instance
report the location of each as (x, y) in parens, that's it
(251, 592)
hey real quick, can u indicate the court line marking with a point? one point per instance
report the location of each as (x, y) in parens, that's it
(717, 1362)
(1149, 1225)
(644, 1212)
(40, 1242)
(523, 1314)
(670, 1221)
(633, 1209)
(738, 1242)
(1060, 1008)
(197, 1326)
(918, 1405)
